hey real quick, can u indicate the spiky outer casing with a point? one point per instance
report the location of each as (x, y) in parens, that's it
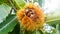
(28, 23)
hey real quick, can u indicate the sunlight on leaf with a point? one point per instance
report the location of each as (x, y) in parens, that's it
(4, 11)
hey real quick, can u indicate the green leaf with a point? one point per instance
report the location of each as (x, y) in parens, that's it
(40, 2)
(33, 32)
(19, 3)
(57, 29)
(53, 18)
(8, 25)
(4, 2)
(54, 22)
(4, 11)
(39, 32)
(16, 29)
(30, 32)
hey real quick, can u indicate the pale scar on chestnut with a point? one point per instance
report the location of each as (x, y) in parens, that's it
(31, 14)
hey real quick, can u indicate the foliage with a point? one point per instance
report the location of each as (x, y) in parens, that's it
(9, 24)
